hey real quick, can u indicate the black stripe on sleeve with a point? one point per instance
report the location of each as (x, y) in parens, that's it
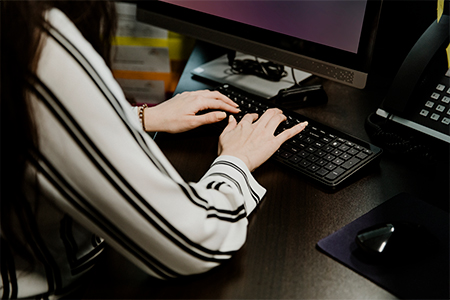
(217, 187)
(234, 166)
(234, 181)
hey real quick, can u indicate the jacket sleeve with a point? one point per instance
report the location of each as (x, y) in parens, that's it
(101, 168)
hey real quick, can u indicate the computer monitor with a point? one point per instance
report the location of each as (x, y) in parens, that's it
(333, 39)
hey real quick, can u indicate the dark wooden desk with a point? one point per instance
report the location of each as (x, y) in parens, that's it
(280, 259)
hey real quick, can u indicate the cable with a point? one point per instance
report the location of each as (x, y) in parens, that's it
(267, 70)
(399, 144)
(293, 77)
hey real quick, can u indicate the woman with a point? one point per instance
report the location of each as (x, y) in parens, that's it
(81, 169)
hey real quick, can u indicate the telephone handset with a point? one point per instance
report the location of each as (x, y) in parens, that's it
(419, 58)
(420, 93)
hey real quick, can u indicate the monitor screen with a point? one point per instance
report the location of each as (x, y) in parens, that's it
(333, 39)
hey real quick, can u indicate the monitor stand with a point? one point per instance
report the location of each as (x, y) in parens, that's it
(220, 71)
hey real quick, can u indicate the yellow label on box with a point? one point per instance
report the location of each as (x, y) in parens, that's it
(140, 41)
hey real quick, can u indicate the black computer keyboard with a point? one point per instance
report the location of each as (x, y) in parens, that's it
(325, 155)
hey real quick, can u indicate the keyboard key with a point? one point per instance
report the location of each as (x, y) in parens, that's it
(304, 163)
(313, 168)
(295, 159)
(326, 139)
(335, 144)
(309, 140)
(290, 148)
(335, 173)
(313, 158)
(321, 153)
(367, 151)
(330, 166)
(321, 162)
(352, 151)
(338, 161)
(329, 157)
(345, 156)
(350, 163)
(285, 154)
(303, 154)
(322, 172)
(311, 149)
(361, 155)
(328, 148)
(344, 147)
(336, 152)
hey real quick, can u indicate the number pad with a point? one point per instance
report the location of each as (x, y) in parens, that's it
(437, 105)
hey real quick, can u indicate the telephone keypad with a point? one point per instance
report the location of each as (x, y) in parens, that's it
(438, 104)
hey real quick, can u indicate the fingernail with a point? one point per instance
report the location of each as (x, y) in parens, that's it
(305, 123)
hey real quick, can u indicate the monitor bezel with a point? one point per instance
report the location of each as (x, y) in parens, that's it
(320, 60)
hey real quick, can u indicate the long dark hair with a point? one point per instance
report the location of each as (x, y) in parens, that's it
(22, 23)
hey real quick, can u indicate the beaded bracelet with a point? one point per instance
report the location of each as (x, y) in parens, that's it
(141, 114)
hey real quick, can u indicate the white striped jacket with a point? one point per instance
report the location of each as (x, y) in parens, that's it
(100, 175)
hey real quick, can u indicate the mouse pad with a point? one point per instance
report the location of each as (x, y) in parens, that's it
(425, 277)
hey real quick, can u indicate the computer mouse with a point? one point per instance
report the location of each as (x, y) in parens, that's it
(396, 241)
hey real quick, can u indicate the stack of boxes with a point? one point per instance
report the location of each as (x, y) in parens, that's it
(147, 61)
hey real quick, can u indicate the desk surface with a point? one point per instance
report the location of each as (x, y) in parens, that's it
(280, 259)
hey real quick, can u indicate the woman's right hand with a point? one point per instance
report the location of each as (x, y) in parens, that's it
(252, 140)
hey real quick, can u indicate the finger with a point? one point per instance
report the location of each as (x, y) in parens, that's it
(275, 120)
(249, 118)
(221, 105)
(209, 118)
(291, 132)
(218, 96)
(224, 98)
(231, 124)
(268, 114)
(208, 103)
(271, 119)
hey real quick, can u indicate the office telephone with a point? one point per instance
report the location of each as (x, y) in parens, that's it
(419, 97)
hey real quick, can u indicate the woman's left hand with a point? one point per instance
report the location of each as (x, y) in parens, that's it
(179, 113)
